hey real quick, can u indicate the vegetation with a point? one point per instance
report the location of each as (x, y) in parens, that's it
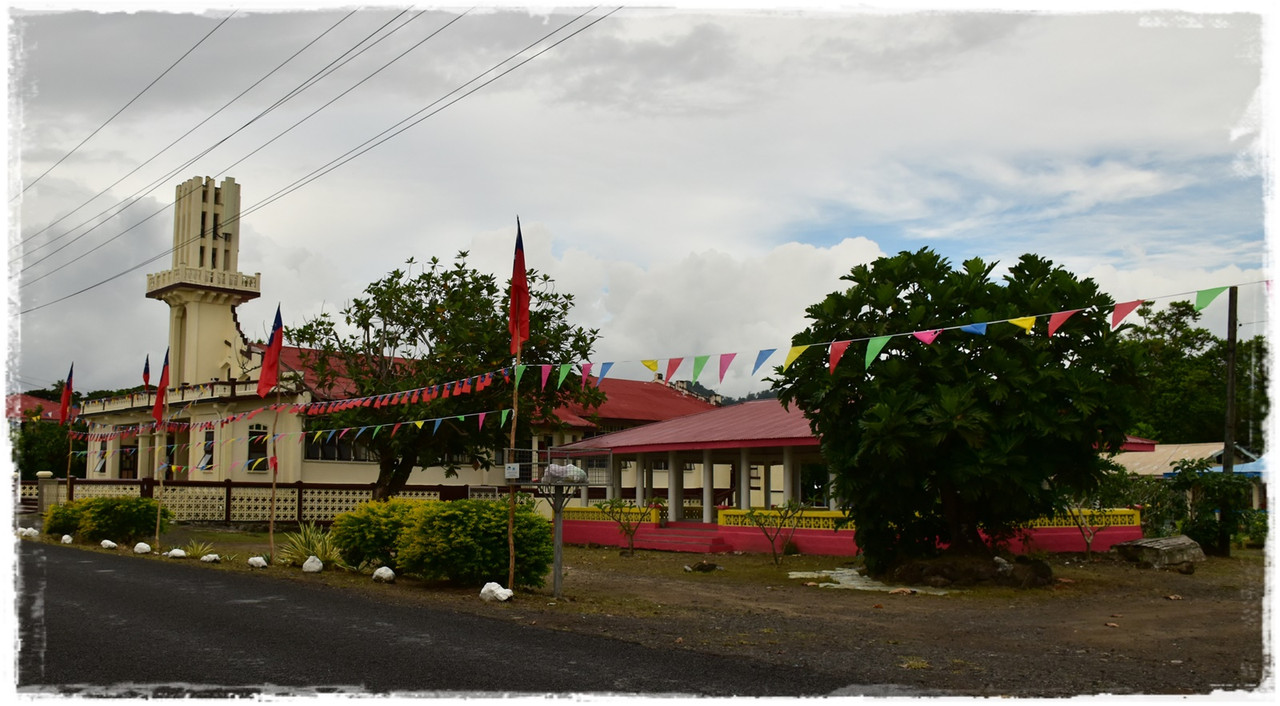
(309, 541)
(465, 541)
(774, 523)
(628, 516)
(440, 325)
(1215, 503)
(43, 446)
(938, 444)
(119, 519)
(1183, 367)
(367, 536)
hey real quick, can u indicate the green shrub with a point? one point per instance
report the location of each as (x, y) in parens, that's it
(121, 520)
(367, 536)
(63, 519)
(308, 541)
(466, 541)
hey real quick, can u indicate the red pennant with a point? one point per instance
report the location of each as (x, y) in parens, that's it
(1123, 310)
(1057, 320)
(837, 351)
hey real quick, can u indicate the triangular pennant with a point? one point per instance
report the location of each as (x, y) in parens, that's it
(586, 373)
(835, 353)
(395, 428)
(650, 364)
(927, 337)
(564, 373)
(761, 357)
(502, 422)
(980, 329)
(519, 374)
(1024, 322)
(546, 371)
(673, 365)
(1205, 297)
(1121, 311)
(725, 360)
(482, 416)
(792, 355)
(698, 362)
(437, 426)
(419, 423)
(1057, 320)
(874, 346)
(604, 370)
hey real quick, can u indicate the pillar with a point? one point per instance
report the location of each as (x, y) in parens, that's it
(744, 479)
(642, 460)
(833, 503)
(789, 481)
(708, 488)
(675, 488)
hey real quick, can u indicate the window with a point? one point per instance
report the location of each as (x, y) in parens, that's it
(129, 462)
(334, 449)
(102, 458)
(206, 461)
(660, 465)
(257, 447)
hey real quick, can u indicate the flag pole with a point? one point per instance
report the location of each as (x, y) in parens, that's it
(511, 487)
(160, 471)
(273, 463)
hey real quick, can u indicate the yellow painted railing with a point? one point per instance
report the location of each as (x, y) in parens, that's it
(648, 514)
(827, 519)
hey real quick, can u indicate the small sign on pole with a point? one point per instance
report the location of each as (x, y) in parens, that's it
(512, 471)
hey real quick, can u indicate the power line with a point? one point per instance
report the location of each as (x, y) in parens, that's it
(126, 105)
(137, 195)
(212, 115)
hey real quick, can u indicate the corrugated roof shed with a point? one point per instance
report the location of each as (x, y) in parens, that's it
(1161, 458)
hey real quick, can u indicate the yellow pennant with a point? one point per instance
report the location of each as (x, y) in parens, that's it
(1026, 322)
(792, 355)
(650, 364)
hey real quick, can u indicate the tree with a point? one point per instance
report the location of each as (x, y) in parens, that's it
(438, 325)
(42, 445)
(1183, 369)
(774, 522)
(940, 444)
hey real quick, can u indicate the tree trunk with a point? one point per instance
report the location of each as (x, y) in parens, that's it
(393, 476)
(965, 538)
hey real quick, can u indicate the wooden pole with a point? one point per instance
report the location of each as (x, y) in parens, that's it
(1227, 520)
(271, 451)
(160, 471)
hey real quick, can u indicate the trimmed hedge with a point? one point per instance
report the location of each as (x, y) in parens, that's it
(119, 519)
(367, 536)
(465, 541)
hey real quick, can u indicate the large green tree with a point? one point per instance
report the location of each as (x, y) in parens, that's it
(1184, 369)
(434, 324)
(976, 433)
(42, 444)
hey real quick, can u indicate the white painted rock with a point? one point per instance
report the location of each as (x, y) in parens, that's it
(176, 554)
(108, 544)
(312, 565)
(28, 532)
(495, 592)
(211, 558)
(66, 539)
(142, 548)
(384, 574)
(257, 562)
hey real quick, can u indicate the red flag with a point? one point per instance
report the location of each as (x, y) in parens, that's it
(146, 373)
(271, 358)
(518, 322)
(65, 409)
(157, 411)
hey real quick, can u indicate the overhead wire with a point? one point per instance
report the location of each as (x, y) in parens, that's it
(137, 195)
(348, 156)
(123, 108)
(184, 135)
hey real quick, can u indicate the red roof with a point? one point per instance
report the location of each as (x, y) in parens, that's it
(757, 424)
(627, 400)
(20, 406)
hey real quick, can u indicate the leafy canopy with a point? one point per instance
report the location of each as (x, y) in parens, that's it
(937, 444)
(422, 326)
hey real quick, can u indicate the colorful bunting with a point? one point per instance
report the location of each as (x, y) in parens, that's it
(927, 337)
(698, 362)
(980, 329)
(874, 346)
(835, 353)
(725, 360)
(672, 366)
(792, 355)
(1123, 310)
(761, 357)
(1057, 320)
(1205, 297)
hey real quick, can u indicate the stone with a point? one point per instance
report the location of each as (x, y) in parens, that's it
(312, 565)
(495, 592)
(704, 566)
(142, 548)
(257, 562)
(1176, 553)
(108, 544)
(384, 574)
(211, 558)
(176, 554)
(66, 539)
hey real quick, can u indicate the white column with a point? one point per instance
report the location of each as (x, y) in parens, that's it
(832, 501)
(642, 460)
(766, 484)
(744, 479)
(675, 488)
(788, 475)
(708, 488)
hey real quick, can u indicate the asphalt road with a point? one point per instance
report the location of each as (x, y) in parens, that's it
(92, 623)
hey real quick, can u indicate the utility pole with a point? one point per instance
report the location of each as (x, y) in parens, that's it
(1227, 513)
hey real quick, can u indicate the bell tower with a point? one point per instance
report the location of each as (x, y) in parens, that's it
(202, 287)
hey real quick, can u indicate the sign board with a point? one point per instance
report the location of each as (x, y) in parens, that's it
(513, 471)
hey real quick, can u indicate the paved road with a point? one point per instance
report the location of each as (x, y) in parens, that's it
(103, 624)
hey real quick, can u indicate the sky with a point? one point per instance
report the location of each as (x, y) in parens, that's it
(696, 178)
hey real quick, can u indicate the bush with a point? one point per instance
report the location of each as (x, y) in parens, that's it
(122, 520)
(367, 536)
(63, 519)
(308, 541)
(466, 541)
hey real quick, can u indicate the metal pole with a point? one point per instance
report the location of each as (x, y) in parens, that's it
(1226, 521)
(511, 486)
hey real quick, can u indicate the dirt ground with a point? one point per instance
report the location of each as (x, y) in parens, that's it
(1101, 627)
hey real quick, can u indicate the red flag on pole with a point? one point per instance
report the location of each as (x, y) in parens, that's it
(271, 358)
(146, 373)
(157, 411)
(65, 408)
(518, 323)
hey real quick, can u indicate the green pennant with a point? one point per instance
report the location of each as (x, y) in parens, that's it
(1205, 297)
(564, 373)
(698, 362)
(519, 374)
(874, 346)
(503, 421)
